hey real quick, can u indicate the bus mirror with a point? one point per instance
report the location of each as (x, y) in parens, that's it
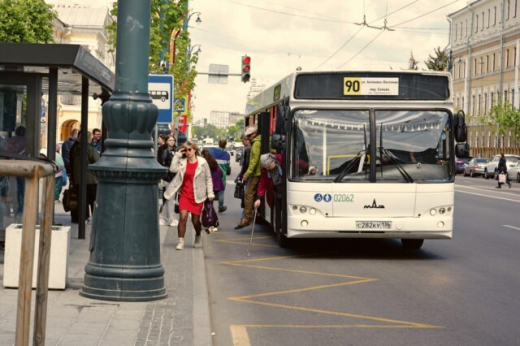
(277, 141)
(462, 150)
(459, 127)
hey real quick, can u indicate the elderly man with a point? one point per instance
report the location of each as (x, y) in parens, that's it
(252, 176)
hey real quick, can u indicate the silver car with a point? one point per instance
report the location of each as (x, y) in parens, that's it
(475, 167)
(513, 173)
(491, 170)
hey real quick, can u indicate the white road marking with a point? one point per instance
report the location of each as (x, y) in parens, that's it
(488, 190)
(493, 197)
(513, 227)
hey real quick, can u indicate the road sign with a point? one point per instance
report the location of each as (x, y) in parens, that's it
(160, 88)
(218, 74)
(180, 105)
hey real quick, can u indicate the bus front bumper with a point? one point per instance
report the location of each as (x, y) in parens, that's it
(339, 227)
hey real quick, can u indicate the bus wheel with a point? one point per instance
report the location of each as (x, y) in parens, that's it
(486, 176)
(412, 244)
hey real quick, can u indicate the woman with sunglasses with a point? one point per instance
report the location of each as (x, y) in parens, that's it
(193, 182)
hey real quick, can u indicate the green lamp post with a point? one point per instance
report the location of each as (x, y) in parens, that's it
(125, 262)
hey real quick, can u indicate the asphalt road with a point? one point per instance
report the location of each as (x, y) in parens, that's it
(464, 291)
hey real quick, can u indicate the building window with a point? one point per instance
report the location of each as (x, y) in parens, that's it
(513, 98)
(478, 107)
(494, 61)
(472, 105)
(482, 28)
(489, 16)
(495, 17)
(481, 63)
(505, 96)
(485, 103)
(487, 63)
(476, 24)
(492, 101)
(514, 13)
(462, 102)
(514, 57)
(475, 66)
(507, 58)
(508, 9)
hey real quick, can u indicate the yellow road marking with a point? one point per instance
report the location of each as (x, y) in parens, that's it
(239, 335)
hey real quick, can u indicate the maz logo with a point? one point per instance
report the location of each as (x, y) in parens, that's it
(374, 206)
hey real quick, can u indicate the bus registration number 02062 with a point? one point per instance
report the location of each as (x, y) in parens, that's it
(373, 224)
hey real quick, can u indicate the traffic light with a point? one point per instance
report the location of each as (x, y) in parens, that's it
(246, 68)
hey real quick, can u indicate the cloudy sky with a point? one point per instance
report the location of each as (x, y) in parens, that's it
(282, 35)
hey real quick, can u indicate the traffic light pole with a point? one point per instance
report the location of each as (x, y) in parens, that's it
(125, 262)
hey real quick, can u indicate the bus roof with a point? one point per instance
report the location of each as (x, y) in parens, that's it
(355, 85)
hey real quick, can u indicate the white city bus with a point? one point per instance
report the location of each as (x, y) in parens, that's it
(365, 154)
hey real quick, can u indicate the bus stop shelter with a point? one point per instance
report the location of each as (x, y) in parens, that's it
(28, 71)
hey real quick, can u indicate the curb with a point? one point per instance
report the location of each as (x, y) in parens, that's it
(201, 314)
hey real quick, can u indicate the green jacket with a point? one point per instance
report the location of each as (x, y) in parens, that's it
(254, 159)
(75, 155)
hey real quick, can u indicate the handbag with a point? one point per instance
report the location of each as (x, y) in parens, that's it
(209, 215)
(70, 198)
(502, 177)
(239, 190)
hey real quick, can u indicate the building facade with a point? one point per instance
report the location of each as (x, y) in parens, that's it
(485, 46)
(86, 26)
(224, 119)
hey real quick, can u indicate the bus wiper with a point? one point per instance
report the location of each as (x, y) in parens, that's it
(344, 171)
(399, 167)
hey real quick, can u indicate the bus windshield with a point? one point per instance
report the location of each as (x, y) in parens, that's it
(334, 146)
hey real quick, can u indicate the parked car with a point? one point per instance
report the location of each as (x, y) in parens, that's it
(460, 164)
(475, 167)
(491, 169)
(514, 172)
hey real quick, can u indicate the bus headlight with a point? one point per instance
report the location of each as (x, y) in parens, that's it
(304, 223)
(303, 210)
(312, 211)
(433, 212)
(442, 211)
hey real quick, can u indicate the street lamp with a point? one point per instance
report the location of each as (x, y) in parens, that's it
(192, 48)
(187, 20)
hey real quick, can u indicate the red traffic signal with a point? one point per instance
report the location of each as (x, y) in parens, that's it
(246, 69)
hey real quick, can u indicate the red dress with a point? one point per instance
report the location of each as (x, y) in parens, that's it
(186, 199)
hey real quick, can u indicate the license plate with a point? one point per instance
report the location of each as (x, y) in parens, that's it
(373, 224)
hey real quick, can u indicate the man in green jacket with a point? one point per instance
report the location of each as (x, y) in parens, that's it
(252, 175)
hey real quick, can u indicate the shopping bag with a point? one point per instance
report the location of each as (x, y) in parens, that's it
(502, 178)
(239, 190)
(70, 198)
(209, 215)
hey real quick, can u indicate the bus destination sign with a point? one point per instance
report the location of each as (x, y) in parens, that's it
(363, 86)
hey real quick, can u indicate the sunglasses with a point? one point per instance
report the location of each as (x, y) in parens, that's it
(189, 149)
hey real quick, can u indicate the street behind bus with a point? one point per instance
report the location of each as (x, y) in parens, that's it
(462, 291)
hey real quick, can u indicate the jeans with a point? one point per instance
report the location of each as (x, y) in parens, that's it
(221, 199)
(58, 186)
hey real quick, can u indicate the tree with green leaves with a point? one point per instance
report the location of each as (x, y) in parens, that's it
(412, 63)
(508, 119)
(26, 21)
(438, 61)
(168, 17)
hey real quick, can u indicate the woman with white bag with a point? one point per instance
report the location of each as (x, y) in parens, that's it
(502, 172)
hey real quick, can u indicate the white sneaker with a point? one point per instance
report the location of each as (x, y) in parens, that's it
(163, 222)
(180, 244)
(198, 241)
(174, 223)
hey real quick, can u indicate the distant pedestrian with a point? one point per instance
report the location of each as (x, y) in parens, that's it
(65, 149)
(60, 178)
(193, 181)
(165, 157)
(17, 145)
(97, 141)
(502, 169)
(223, 159)
(216, 177)
(77, 174)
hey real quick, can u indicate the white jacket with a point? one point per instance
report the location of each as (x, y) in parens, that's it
(202, 183)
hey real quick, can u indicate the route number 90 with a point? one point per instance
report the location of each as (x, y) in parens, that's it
(351, 86)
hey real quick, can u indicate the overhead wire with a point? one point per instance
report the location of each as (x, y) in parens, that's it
(290, 14)
(340, 48)
(297, 9)
(424, 14)
(399, 9)
(362, 49)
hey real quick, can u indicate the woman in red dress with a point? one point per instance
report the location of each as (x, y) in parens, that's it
(193, 182)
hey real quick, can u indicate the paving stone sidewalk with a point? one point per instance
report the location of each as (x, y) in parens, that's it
(75, 320)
